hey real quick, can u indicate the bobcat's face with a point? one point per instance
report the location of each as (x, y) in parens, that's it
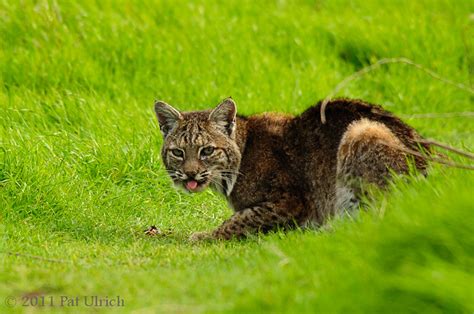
(199, 148)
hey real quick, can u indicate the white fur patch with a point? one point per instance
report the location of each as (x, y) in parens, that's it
(345, 199)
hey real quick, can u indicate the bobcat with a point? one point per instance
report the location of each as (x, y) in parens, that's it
(283, 171)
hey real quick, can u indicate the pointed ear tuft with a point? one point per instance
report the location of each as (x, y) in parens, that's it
(224, 116)
(167, 116)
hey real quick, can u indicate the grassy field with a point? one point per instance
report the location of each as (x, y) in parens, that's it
(81, 176)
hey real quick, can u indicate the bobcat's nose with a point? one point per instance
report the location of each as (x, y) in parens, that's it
(191, 174)
(190, 168)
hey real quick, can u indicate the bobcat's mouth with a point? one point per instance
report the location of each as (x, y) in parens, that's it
(195, 186)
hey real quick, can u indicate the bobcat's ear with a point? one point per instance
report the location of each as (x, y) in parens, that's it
(224, 116)
(167, 116)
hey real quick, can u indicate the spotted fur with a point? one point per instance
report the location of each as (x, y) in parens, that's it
(282, 171)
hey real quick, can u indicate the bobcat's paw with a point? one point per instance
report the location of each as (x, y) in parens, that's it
(201, 236)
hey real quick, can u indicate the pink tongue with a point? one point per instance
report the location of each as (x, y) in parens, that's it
(191, 184)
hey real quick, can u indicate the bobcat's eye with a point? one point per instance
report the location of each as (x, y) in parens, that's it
(206, 151)
(177, 152)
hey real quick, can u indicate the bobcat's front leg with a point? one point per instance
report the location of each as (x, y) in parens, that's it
(263, 217)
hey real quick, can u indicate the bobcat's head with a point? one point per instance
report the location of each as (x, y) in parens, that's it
(199, 147)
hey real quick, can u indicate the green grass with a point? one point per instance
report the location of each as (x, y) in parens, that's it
(81, 176)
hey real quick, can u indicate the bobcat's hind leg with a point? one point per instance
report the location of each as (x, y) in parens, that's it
(367, 155)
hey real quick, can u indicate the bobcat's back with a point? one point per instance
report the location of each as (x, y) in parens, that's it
(297, 156)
